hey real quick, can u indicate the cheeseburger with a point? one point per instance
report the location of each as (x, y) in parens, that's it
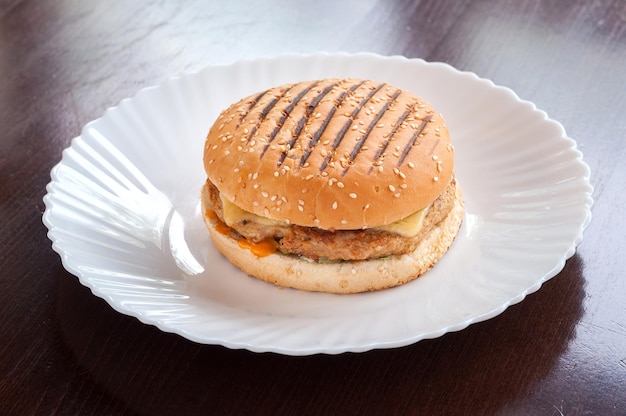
(333, 185)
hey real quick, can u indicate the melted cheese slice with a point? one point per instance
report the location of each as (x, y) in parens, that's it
(407, 227)
(233, 215)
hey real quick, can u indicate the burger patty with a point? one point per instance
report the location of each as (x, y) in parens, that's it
(316, 244)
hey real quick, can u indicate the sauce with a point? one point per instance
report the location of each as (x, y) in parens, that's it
(261, 249)
(210, 214)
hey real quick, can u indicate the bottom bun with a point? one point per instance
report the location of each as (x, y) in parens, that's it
(344, 277)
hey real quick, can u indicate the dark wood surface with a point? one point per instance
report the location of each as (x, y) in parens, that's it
(562, 351)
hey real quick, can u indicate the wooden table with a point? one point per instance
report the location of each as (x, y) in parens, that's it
(562, 351)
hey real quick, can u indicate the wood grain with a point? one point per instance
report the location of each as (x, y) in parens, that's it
(64, 351)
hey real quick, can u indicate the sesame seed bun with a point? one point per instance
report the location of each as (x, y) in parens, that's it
(336, 154)
(341, 277)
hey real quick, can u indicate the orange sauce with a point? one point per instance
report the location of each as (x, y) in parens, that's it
(222, 228)
(260, 249)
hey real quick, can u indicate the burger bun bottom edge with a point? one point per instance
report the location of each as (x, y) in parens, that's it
(349, 276)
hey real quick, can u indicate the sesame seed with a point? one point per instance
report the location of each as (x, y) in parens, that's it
(255, 186)
(246, 131)
(379, 125)
(435, 157)
(334, 206)
(214, 147)
(276, 174)
(392, 188)
(266, 211)
(318, 115)
(300, 202)
(396, 195)
(273, 198)
(339, 184)
(352, 195)
(265, 194)
(344, 222)
(236, 170)
(300, 208)
(309, 177)
(404, 186)
(412, 165)
(436, 178)
(255, 203)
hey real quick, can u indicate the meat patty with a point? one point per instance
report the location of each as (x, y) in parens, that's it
(316, 244)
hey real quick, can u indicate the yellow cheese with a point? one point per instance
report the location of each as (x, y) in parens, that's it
(407, 227)
(233, 215)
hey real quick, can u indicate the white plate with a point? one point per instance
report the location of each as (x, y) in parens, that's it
(122, 211)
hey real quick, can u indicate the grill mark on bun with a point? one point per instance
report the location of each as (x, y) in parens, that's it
(254, 102)
(370, 127)
(409, 145)
(319, 132)
(385, 143)
(266, 111)
(309, 110)
(346, 126)
(284, 114)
